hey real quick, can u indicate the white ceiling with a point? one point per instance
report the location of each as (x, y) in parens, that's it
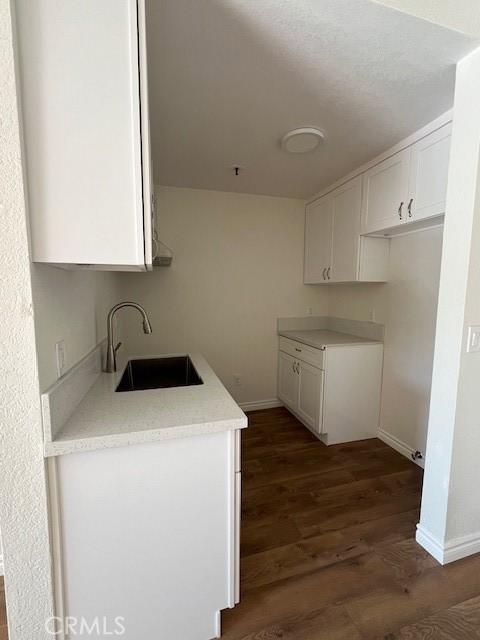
(228, 78)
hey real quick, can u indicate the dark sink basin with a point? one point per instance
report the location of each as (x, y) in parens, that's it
(159, 373)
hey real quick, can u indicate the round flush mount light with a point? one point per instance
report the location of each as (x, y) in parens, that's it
(302, 140)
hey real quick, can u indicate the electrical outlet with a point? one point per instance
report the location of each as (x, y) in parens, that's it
(237, 380)
(473, 344)
(309, 311)
(373, 315)
(61, 357)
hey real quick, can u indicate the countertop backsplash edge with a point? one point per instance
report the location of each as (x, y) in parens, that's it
(361, 328)
(61, 399)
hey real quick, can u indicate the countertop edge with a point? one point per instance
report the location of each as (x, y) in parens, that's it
(365, 342)
(96, 443)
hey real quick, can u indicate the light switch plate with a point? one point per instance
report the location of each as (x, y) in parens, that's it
(473, 344)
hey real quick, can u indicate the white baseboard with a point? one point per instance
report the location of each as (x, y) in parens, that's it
(257, 405)
(462, 547)
(399, 446)
(429, 543)
(446, 552)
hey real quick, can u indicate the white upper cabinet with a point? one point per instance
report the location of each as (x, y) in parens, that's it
(86, 131)
(346, 231)
(408, 187)
(334, 249)
(429, 175)
(385, 191)
(318, 240)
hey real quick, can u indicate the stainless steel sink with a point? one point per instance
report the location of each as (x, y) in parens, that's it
(159, 373)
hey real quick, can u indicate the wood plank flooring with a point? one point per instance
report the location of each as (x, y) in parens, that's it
(3, 612)
(328, 549)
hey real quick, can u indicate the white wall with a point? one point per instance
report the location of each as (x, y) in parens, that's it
(70, 306)
(238, 265)
(23, 516)
(450, 519)
(407, 306)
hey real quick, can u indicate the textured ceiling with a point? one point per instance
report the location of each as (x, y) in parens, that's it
(229, 77)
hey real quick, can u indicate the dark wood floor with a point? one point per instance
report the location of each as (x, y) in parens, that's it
(3, 613)
(328, 549)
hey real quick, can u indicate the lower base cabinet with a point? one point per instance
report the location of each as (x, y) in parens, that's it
(147, 536)
(301, 389)
(337, 393)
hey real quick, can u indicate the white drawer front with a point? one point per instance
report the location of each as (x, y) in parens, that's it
(315, 357)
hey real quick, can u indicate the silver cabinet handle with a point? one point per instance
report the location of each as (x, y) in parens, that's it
(328, 273)
(297, 349)
(400, 210)
(293, 366)
(410, 208)
(298, 367)
(324, 273)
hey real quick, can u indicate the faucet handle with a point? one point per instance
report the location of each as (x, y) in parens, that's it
(118, 347)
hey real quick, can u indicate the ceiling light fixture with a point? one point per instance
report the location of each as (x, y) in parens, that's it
(302, 140)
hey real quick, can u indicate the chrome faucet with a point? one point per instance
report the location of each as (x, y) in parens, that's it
(111, 363)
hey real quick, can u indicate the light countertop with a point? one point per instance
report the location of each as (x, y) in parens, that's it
(321, 338)
(104, 418)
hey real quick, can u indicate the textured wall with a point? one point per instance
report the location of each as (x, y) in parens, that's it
(23, 517)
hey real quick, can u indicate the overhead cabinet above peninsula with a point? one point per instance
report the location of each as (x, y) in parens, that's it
(347, 229)
(86, 130)
(408, 187)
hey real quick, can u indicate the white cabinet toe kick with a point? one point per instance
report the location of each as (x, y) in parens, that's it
(334, 390)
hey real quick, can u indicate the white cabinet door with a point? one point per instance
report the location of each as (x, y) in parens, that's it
(85, 116)
(385, 191)
(429, 175)
(287, 380)
(347, 203)
(318, 240)
(161, 513)
(310, 395)
(149, 219)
